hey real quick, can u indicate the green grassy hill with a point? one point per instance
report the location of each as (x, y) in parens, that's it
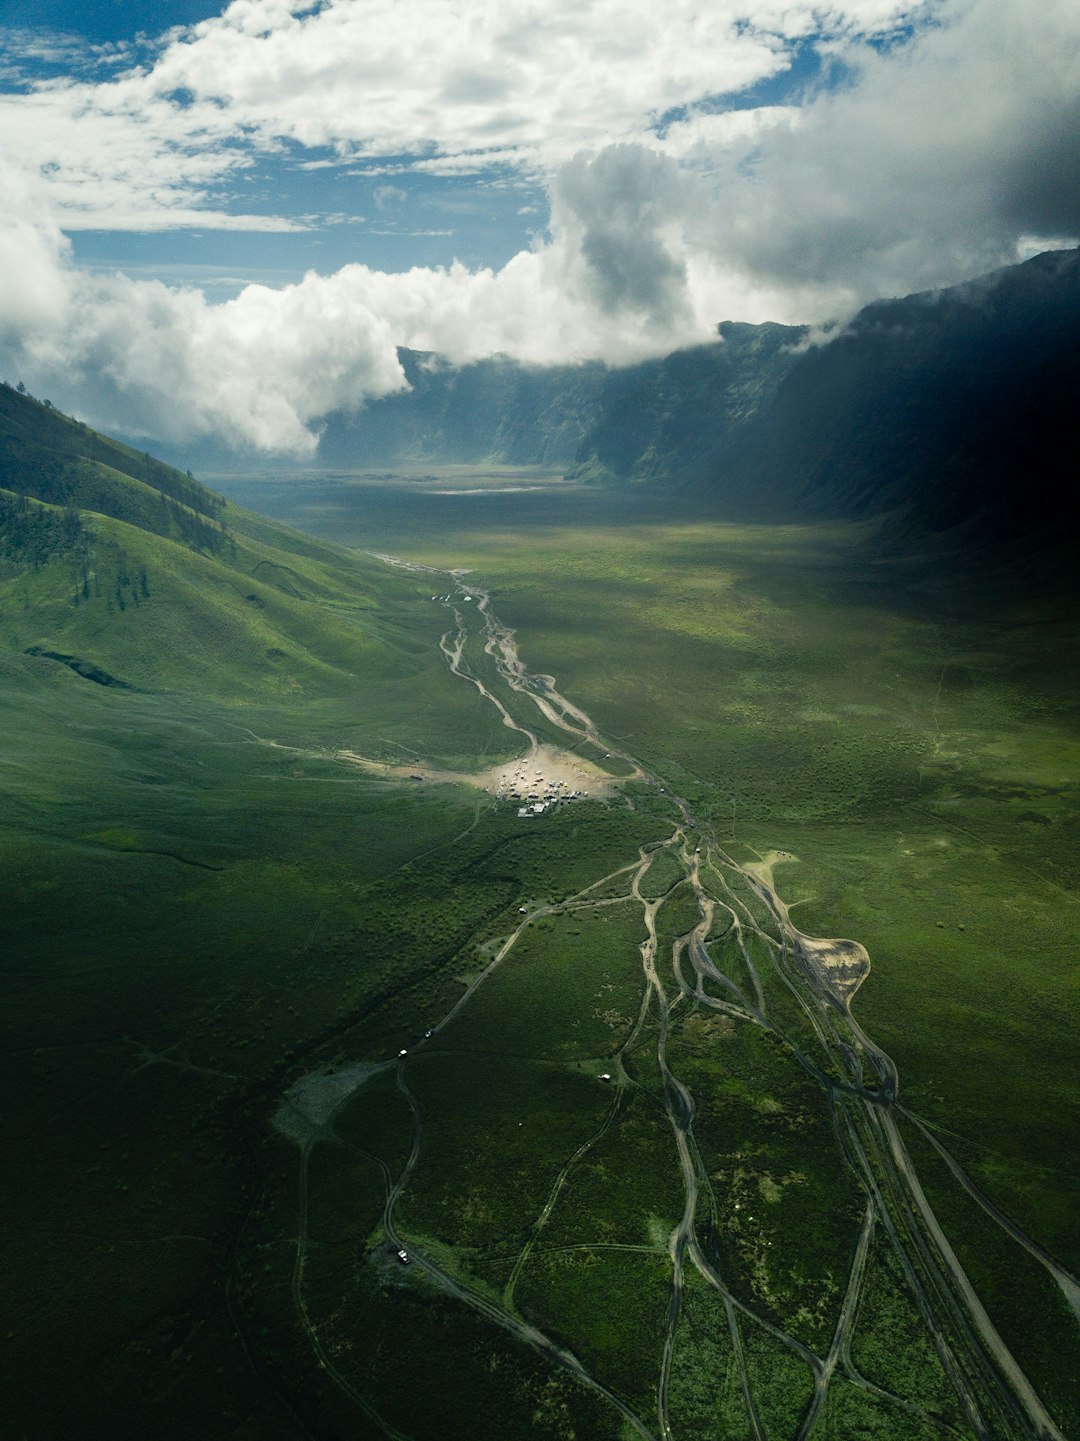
(202, 900)
(118, 567)
(49, 455)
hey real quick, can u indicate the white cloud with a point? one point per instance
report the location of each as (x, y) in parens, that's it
(145, 358)
(927, 167)
(390, 78)
(455, 88)
(699, 137)
(34, 280)
(618, 219)
(389, 197)
(942, 155)
(260, 370)
(113, 157)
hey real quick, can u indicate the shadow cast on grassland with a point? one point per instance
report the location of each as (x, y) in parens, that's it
(968, 569)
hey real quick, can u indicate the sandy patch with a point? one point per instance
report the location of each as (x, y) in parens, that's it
(763, 868)
(844, 965)
(541, 776)
(310, 1103)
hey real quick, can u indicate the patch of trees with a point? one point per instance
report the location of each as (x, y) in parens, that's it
(39, 423)
(129, 584)
(180, 486)
(198, 531)
(31, 534)
(70, 481)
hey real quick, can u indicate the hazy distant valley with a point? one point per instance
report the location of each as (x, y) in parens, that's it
(730, 1091)
(932, 408)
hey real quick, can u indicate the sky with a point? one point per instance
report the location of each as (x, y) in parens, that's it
(221, 223)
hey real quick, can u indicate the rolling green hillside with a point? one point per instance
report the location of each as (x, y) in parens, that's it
(189, 859)
(114, 563)
(62, 461)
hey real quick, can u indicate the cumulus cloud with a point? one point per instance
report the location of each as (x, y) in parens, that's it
(144, 358)
(33, 257)
(617, 219)
(947, 152)
(927, 166)
(441, 86)
(261, 369)
(388, 197)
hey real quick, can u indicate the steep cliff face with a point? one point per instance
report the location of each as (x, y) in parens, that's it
(944, 408)
(650, 421)
(671, 419)
(947, 406)
(490, 410)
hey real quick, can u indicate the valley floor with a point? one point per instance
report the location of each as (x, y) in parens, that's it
(661, 1160)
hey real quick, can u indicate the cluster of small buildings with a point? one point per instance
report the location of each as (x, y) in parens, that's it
(538, 794)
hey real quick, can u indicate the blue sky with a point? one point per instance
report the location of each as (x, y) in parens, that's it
(387, 225)
(103, 21)
(429, 222)
(345, 213)
(225, 221)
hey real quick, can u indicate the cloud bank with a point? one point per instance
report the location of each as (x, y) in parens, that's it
(450, 86)
(927, 159)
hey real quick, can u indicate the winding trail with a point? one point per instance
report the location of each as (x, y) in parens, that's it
(817, 979)
(1070, 1287)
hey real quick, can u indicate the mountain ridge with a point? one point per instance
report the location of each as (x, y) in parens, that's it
(945, 405)
(944, 410)
(937, 408)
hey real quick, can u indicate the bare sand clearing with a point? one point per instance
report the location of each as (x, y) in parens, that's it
(763, 868)
(842, 965)
(544, 773)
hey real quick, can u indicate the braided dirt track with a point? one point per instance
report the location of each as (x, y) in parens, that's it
(762, 954)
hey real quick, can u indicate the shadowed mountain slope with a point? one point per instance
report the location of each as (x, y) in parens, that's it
(490, 410)
(952, 406)
(643, 422)
(948, 408)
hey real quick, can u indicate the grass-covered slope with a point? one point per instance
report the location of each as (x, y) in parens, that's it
(203, 899)
(254, 619)
(137, 572)
(49, 455)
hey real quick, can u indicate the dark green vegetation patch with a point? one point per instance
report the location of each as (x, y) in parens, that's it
(277, 1012)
